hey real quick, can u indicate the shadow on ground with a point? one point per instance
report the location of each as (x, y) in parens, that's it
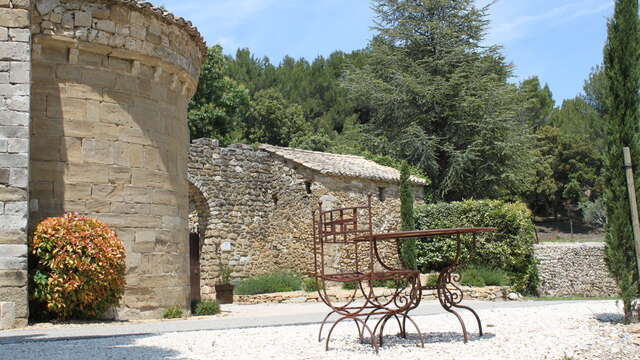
(120, 347)
(611, 318)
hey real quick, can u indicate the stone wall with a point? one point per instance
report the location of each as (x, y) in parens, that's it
(259, 208)
(573, 269)
(15, 70)
(111, 84)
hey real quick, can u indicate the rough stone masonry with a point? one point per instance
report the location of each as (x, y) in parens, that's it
(15, 77)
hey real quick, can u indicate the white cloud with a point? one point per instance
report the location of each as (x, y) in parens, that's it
(509, 23)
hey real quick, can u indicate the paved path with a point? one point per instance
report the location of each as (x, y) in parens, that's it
(234, 317)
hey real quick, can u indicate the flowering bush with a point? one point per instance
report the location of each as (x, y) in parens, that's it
(79, 266)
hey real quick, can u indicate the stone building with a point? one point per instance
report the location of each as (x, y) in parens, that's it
(93, 102)
(251, 208)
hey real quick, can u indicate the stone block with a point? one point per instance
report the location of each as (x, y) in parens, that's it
(81, 91)
(10, 251)
(82, 18)
(14, 51)
(114, 114)
(16, 208)
(105, 25)
(14, 132)
(75, 192)
(18, 145)
(12, 194)
(4, 34)
(120, 14)
(87, 173)
(14, 18)
(45, 6)
(12, 237)
(97, 206)
(20, 35)
(68, 73)
(4, 145)
(12, 263)
(107, 192)
(4, 176)
(16, 278)
(7, 315)
(119, 175)
(17, 295)
(13, 118)
(97, 151)
(137, 194)
(13, 89)
(20, 72)
(18, 103)
(66, 108)
(14, 160)
(4, 65)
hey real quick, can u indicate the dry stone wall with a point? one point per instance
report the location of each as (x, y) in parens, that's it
(259, 207)
(15, 70)
(574, 269)
(111, 84)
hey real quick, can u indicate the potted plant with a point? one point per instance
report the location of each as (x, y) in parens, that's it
(224, 289)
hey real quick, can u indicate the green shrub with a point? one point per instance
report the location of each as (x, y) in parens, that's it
(269, 283)
(172, 312)
(510, 249)
(349, 285)
(432, 280)
(479, 275)
(209, 307)
(77, 267)
(309, 284)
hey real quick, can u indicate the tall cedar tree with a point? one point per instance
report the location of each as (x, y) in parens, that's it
(621, 59)
(408, 248)
(442, 99)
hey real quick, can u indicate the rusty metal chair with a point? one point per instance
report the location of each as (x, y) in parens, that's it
(350, 229)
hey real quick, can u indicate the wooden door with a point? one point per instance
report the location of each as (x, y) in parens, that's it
(194, 263)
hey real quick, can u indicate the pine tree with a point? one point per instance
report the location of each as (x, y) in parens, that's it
(621, 58)
(408, 248)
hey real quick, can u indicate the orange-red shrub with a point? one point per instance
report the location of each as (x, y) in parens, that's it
(79, 266)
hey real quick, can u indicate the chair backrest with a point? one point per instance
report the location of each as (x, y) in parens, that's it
(350, 227)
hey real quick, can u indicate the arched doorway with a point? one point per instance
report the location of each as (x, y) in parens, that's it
(198, 220)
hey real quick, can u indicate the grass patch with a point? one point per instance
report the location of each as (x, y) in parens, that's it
(480, 275)
(172, 312)
(279, 281)
(309, 284)
(203, 308)
(432, 280)
(568, 298)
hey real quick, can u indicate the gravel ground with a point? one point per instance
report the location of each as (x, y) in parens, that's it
(585, 330)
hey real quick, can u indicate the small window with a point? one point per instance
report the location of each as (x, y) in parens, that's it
(381, 194)
(307, 186)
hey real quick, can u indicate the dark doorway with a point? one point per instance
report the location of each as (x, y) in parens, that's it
(194, 263)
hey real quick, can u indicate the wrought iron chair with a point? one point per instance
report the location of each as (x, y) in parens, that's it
(350, 229)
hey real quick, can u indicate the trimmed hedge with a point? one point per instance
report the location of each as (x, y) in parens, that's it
(510, 249)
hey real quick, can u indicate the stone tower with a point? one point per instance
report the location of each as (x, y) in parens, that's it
(110, 83)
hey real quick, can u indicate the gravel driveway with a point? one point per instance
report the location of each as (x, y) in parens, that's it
(581, 330)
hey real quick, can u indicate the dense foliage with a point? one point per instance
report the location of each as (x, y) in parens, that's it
(427, 90)
(510, 249)
(269, 283)
(480, 275)
(78, 266)
(622, 99)
(408, 247)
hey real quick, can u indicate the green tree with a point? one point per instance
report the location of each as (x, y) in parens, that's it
(272, 120)
(219, 102)
(537, 102)
(621, 59)
(441, 98)
(408, 248)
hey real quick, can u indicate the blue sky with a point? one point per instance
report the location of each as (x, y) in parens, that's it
(558, 40)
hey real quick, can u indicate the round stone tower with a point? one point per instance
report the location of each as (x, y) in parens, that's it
(111, 80)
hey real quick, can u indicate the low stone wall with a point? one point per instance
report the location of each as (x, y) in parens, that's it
(573, 269)
(490, 293)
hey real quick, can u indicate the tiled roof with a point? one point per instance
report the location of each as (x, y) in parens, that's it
(163, 14)
(340, 165)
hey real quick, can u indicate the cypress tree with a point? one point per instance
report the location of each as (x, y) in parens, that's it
(621, 58)
(408, 248)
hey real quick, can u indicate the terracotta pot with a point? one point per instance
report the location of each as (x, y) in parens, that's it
(224, 293)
